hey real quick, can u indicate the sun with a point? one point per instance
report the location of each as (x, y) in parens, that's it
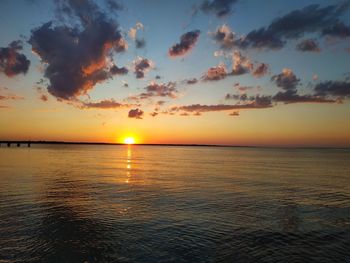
(129, 140)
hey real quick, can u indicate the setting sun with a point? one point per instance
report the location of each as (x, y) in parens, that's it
(129, 140)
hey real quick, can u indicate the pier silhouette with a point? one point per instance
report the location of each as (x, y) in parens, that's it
(15, 143)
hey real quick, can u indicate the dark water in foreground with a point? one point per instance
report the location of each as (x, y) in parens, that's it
(174, 204)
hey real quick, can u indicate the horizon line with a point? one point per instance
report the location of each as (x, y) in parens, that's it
(171, 144)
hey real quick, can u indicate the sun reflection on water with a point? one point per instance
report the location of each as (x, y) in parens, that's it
(128, 164)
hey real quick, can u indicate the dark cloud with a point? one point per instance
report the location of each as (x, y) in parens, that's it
(114, 5)
(291, 96)
(135, 113)
(310, 45)
(242, 97)
(310, 19)
(114, 70)
(259, 102)
(77, 58)
(338, 29)
(153, 114)
(335, 89)
(289, 82)
(260, 70)
(141, 66)
(187, 42)
(286, 80)
(11, 61)
(216, 73)
(158, 77)
(191, 81)
(104, 104)
(218, 7)
(140, 43)
(161, 90)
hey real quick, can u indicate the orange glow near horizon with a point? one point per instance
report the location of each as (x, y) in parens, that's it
(129, 140)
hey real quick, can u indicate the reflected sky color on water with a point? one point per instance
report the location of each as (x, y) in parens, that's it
(65, 203)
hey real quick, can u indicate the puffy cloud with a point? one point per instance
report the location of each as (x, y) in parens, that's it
(286, 80)
(218, 7)
(187, 42)
(260, 70)
(289, 82)
(135, 113)
(240, 64)
(335, 89)
(114, 70)
(224, 36)
(11, 61)
(310, 45)
(216, 73)
(141, 66)
(77, 58)
(104, 104)
(161, 90)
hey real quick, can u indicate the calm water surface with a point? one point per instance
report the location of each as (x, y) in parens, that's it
(65, 203)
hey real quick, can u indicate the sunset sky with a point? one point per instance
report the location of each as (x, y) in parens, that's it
(232, 72)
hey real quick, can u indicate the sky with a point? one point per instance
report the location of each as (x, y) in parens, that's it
(230, 72)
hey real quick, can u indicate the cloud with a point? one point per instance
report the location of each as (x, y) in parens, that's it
(289, 82)
(240, 64)
(224, 36)
(339, 29)
(161, 90)
(135, 113)
(219, 8)
(310, 19)
(335, 89)
(44, 97)
(11, 61)
(140, 43)
(191, 81)
(259, 102)
(153, 114)
(261, 70)
(291, 96)
(286, 80)
(114, 70)
(141, 66)
(310, 45)
(216, 73)
(133, 31)
(187, 42)
(77, 58)
(104, 104)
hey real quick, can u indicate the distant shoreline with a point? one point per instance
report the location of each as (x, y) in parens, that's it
(166, 144)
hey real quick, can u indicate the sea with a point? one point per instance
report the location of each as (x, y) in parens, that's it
(138, 203)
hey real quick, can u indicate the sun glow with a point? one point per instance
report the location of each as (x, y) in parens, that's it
(129, 140)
